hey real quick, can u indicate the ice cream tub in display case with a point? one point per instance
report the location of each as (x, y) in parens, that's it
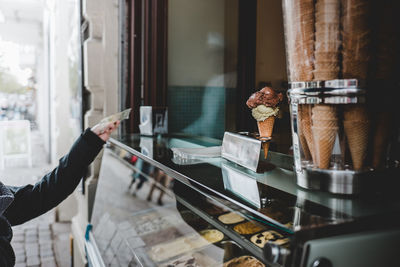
(340, 143)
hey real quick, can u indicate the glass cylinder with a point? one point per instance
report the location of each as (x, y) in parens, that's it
(338, 138)
(343, 67)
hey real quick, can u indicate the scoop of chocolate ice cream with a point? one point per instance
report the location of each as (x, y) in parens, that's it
(266, 96)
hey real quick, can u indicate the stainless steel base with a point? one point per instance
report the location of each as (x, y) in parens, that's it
(345, 182)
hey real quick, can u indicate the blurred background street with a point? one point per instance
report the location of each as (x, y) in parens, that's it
(40, 113)
(42, 241)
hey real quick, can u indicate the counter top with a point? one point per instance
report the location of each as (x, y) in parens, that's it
(271, 196)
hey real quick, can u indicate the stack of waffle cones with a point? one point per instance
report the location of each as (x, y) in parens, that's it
(324, 130)
(356, 127)
(327, 39)
(356, 36)
(300, 39)
(265, 128)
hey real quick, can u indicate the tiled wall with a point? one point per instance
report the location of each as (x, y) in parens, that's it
(198, 110)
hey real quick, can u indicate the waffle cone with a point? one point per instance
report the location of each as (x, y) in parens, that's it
(326, 45)
(355, 113)
(327, 56)
(324, 139)
(324, 128)
(324, 112)
(265, 130)
(357, 138)
(304, 5)
(325, 75)
(304, 146)
(305, 131)
(356, 127)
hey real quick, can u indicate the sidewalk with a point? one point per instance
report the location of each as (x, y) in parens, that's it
(41, 242)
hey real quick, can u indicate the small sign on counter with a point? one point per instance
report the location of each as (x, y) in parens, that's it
(244, 150)
(153, 120)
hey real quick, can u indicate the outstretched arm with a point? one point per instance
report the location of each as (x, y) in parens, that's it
(33, 200)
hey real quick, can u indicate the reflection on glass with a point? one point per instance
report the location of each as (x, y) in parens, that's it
(146, 144)
(140, 175)
(131, 230)
(161, 182)
(202, 62)
(241, 185)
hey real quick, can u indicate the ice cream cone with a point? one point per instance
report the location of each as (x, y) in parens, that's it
(324, 129)
(264, 107)
(324, 139)
(304, 146)
(305, 131)
(327, 45)
(327, 56)
(356, 126)
(324, 112)
(357, 138)
(265, 130)
(355, 113)
(325, 75)
(327, 66)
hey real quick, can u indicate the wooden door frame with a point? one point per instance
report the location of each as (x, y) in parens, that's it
(147, 31)
(246, 69)
(133, 30)
(155, 52)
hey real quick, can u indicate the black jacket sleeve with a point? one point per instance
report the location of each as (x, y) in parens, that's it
(31, 201)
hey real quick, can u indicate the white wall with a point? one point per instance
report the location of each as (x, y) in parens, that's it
(111, 57)
(42, 93)
(61, 94)
(62, 17)
(101, 68)
(195, 32)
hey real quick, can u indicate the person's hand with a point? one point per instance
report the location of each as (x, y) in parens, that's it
(105, 133)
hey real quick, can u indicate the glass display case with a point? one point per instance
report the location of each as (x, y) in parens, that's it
(152, 210)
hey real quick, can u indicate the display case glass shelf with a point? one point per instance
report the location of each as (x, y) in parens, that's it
(149, 210)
